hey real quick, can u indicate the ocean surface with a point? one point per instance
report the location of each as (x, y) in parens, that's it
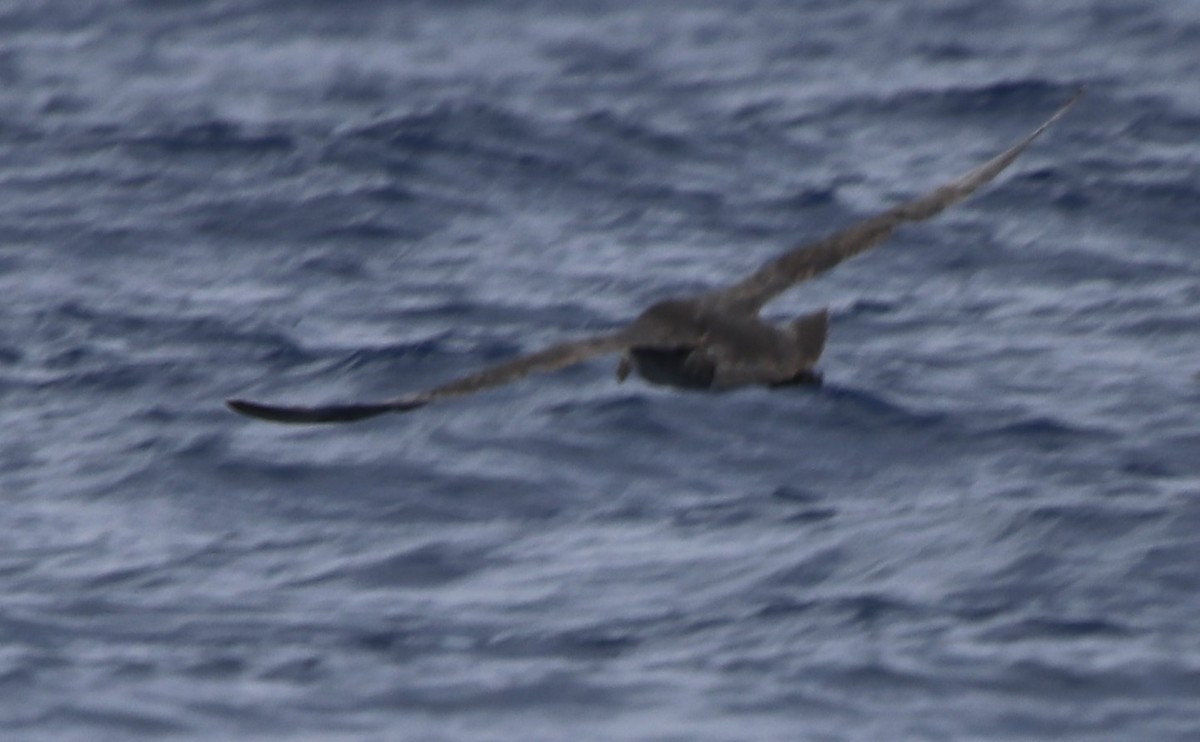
(984, 526)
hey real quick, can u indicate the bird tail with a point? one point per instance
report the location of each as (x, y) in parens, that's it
(810, 332)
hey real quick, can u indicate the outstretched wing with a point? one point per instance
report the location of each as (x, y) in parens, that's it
(554, 357)
(806, 261)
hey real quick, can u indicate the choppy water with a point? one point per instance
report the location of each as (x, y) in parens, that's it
(985, 526)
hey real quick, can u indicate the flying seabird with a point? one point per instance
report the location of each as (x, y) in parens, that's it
(713, 340)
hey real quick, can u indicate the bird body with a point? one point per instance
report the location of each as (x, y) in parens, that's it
(703, 346)
(714, 340)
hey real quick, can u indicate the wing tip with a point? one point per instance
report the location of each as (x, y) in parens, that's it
(243, 406)
(264, 412)
(311, 415)
(1079, 91)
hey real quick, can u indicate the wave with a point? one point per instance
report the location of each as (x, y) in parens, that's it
(214, 136)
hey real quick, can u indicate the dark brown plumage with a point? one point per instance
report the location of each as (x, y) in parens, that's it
(714, 340)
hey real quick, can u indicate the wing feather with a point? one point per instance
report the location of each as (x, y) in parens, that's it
(808, 260)
(551, 359)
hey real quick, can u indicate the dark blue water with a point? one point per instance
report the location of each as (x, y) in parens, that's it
(985, 526)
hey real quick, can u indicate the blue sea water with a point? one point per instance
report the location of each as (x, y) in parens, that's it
(986, 525)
